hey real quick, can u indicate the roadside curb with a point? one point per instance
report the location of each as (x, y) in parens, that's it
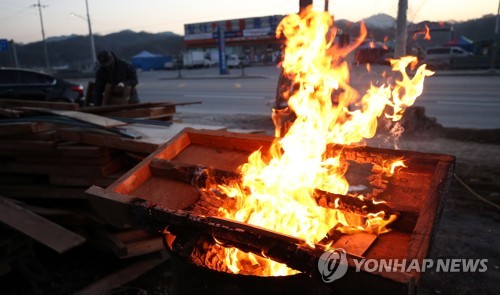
(465, 73)
(214, 77)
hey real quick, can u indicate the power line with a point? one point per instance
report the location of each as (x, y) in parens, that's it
(15, 13)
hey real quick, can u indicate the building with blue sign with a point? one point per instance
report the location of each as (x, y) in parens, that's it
(252, 38)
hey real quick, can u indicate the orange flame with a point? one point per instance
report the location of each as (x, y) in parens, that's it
(277, 189)
(390, 167)
(426, 33)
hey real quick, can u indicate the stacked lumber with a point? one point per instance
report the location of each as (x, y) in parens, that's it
(64, 163)
(151, 111)
(51, 153)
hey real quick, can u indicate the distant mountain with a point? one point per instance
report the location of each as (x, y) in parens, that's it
(167, 33)
(382, 26)
(60, 38)
(476, 29)
(74, 50)
(128, 43)
(380, 21)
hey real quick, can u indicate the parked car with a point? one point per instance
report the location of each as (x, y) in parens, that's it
(442, 57)
(31, 85)
(235, 61)
(373, 53)
(173, 64)
(208, 63)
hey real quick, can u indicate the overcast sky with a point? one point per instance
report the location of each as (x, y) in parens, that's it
(20, 21)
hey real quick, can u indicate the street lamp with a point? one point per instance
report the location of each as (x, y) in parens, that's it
(92, 44)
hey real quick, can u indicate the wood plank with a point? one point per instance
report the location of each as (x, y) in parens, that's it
(84, 117)
(64, 160)
(8, 113)
(279, 247)
(39, 104)
(104, 181)
(230, 140)
(113, 207)
(107, 141)
(130, 113)
(44, 231)
(167, 117)
(190, 173)
(41, 191)
(50, 135)
(65, 169)
(131, 242)
(430, 211)
(141, 112)
(163, 110)
(108, 109)
(27, 145)
(80, 150)
(139, 174)
(356, 244)
(25, 128)
(124, 275)
(161, 134)
(85, 182)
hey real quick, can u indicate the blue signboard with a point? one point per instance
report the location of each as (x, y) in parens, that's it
(4, 45)
(221, 44)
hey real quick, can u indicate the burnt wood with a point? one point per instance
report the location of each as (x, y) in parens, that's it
(285, 249)
(197, 175)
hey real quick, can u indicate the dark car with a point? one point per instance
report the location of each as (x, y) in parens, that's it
(31, 85)
(373, 53)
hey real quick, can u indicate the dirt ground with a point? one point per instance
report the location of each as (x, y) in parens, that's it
(469, 228)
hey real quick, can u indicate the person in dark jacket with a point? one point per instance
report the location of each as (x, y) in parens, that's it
(115, 72)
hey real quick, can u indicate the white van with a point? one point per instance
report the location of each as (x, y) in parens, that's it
(442, 57)
(233, 61)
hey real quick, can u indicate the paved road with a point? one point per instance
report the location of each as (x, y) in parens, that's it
(463, 101)
(224, 96)
(467, 101)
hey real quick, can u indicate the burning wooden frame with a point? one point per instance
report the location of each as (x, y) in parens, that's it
(163, 191)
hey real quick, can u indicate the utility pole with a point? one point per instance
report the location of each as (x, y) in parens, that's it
(14, 53)
(401, 33)
(91, 36)
(47, 64)
(495, 40)
(304, 3)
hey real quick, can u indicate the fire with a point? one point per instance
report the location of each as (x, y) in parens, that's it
(425, 33)
(277, 188)
(391, 166)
